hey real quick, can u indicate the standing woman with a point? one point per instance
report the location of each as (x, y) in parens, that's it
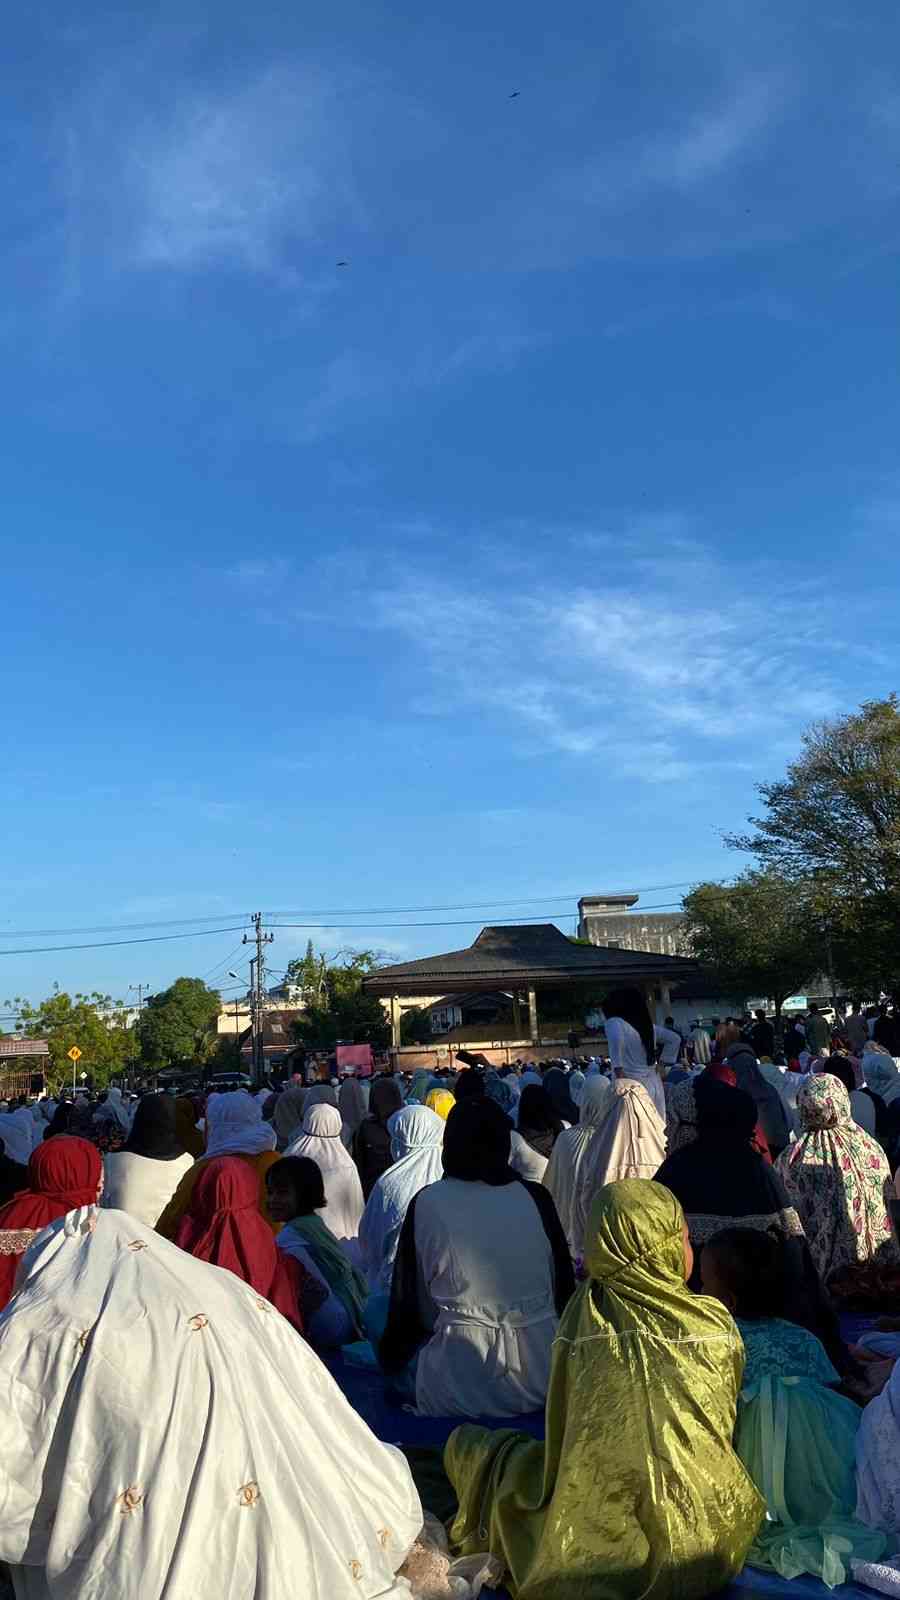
(142, 1177)
(629, 1142)
(321, 1142)
(632, 1042)
(372, 1145)
(637, 1493)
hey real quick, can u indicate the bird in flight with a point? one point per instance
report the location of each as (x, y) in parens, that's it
(515, 94)
(343, 263)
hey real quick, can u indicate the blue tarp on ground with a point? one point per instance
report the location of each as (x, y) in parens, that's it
(367, 1392)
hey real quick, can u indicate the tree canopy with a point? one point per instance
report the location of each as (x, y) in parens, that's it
(834, 820)
(337, 1011)
(179, 1024)
(95, 1022)
(762, 935)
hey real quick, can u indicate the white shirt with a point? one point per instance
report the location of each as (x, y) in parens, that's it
(487, 1290)
(141, 1185)
(628, 1056)
(671, 1045)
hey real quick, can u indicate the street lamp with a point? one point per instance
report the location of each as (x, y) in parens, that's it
(237, 1025)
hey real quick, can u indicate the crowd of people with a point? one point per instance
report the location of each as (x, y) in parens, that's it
(621, 1284)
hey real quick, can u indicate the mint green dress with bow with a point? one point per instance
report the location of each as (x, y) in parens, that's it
(797, 1439)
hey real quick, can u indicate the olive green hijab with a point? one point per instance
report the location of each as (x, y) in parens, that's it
(637, 1493)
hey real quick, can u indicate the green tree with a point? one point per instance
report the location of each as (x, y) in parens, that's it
(340, 1012)
(94, 1022)
(760, 936)
(179, 1024)
(834, 818)
(308, 973)
(415, 1026)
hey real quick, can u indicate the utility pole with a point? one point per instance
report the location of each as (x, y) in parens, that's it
(141, 988)
(261, 939)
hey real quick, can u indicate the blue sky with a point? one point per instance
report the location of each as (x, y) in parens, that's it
(501, 561)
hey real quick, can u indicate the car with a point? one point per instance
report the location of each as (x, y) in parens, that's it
(229, 1080)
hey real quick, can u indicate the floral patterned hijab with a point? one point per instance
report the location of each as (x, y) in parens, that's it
(838, 1179)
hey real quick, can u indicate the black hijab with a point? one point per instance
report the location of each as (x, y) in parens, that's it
(556, 1083)
(477, 1140)
(153, 1131)
(372, 1141)
(719, 1174)
(469, 1085)
(538, 1122)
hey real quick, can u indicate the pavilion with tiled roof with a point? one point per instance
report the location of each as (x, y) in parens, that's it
(523, 959)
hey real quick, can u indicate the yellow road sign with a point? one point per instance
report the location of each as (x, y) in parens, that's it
(74, 1054)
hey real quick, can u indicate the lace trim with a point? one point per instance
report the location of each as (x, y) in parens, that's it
(13, 1242)
(703, 1225)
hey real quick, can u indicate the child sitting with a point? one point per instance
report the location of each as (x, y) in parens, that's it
(295, 1194)
(794, 1434)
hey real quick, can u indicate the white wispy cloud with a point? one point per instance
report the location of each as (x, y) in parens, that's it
(714, 141)
(671, 664)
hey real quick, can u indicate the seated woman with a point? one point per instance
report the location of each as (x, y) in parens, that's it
(637, 1493)
(838, 1180)
(417, 1139)
(481, 1275)
(878, 1460)
(440, 1101)
(234, 1127)
(563, 1175)
(186, 1438)
(142, 1177)
(321, 1142)
(372, 1142)
(296, 1193)
(719, 1178)
(538, 1126)
(223, 1225)
(63, 1174)
(795, 1436)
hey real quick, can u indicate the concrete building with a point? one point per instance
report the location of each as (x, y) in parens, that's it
(608, 919)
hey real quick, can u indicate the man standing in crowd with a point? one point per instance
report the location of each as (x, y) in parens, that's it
(857, 1029)
(762, 1035)
(670, 1042)
(818, 1032)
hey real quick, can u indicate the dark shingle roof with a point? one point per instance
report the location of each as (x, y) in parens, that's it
(504, 956)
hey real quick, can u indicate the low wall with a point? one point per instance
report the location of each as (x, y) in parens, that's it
(442, 1057)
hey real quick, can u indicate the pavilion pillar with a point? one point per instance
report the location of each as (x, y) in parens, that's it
(517, 1015)
(395, 1021)
(532, 1016)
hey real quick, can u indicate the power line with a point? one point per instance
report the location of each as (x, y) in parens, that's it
(106, 944)
(564, 898)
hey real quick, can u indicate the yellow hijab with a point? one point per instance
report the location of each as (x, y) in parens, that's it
(441, 1101)
(637, 1493)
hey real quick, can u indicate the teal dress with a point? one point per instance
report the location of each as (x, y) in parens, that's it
(797, 1439)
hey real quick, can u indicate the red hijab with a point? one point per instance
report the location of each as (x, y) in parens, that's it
(63, 1174)
(223, 1225)
(725, 1074)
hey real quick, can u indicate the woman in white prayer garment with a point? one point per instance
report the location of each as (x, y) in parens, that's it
(165, 1433)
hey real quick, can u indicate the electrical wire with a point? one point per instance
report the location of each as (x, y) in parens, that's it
(106, 944)
(330, 911)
